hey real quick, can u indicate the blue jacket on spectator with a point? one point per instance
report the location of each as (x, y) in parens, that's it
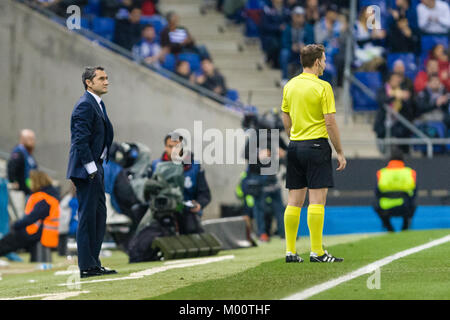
(308, 36)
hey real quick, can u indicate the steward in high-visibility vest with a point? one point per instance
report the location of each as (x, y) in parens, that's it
(41, 219)
(396, 192)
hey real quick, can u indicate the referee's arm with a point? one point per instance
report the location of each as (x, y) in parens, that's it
(333, 133)
(329, 109)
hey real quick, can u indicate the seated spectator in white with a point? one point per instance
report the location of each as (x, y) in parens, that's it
(369, 43)
(433, 16)
(148, 50)
(183, 69)
(422, 77)
(401, 37)
(211, 78)
(432, 102)
(128, 31)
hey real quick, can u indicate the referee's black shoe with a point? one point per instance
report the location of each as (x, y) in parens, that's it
(293, 257)
(326, 257)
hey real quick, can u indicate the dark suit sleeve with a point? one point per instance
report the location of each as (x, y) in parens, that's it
(203, 192)
(82, 120)
(40, 211)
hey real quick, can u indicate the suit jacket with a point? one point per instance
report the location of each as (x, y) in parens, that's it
(91, 131)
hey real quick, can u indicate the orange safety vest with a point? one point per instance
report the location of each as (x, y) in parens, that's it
(50, 233)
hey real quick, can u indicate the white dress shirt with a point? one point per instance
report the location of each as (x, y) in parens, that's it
(91, 167)
(434, 20)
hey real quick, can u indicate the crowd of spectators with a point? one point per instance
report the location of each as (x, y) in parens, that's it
(416, 88)
(161, 43)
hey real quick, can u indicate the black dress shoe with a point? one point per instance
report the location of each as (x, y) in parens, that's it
(91, 272)
(104, 270)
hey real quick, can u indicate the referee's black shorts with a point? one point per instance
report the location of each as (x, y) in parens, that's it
(309, 164)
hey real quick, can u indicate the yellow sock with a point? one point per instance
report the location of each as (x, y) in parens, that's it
(316, 214)
(291, 222)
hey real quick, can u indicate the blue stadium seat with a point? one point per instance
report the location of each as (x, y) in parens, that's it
(361, 101)
(192, 58)
(85, 23)
(104, 27)
(93, 7)
(158, 22)
(433, 129)
(169, 62)
(409, 61)
(254, 4)
(233, 95)
(429, 41)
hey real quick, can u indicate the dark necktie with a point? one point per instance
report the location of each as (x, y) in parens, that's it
(103, 109)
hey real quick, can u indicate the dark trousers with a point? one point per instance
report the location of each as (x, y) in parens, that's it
(405, 211)
(13, 241)
(91, 219)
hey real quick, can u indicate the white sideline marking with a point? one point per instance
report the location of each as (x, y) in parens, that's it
(149, 272)
(305, 294)
(50, 296)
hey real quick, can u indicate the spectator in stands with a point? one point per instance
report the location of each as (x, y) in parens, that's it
(433, 101)
(128, 31)
(176, 39)
(196, 187)
(403, 9)
(369, 44)
(401, 38)
(149, 7)
(396, 192)
(312, 13)
(296, 35)
(439, 53)
(41, 219)
(421, 80)
(327, 31)
(398, 99)
(183, 69)
(433, 16)
(399, 68)
(22, 161)
(274, 21)
(211, 78)
(119, 9)
(148, 49)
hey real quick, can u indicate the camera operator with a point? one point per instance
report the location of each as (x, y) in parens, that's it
(264, 188)
(117, 184)
(196, 191)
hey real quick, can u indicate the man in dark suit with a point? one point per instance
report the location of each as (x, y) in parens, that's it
(91, 138)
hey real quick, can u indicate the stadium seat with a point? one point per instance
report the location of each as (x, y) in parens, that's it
(85, 23)
(409, 61)
(233, 95)
(429, 41)
(192, 58)
(433, 129)
(361, 101)
(104, 27)
(93, 8)
(169, 62)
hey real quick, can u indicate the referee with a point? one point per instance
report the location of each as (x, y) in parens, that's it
(308, 117)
